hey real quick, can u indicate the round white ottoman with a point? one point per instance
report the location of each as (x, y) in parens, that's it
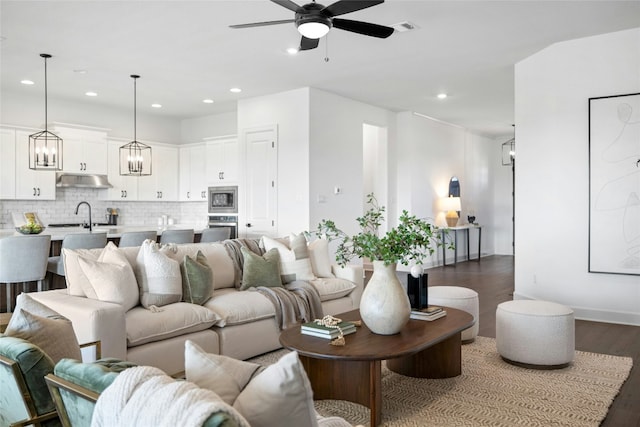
(464, 299)
(536, 334)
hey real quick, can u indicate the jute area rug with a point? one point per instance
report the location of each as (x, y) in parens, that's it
(491, 392)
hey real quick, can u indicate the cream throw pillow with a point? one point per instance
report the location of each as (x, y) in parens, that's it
(159, 277)
(319, 255)
(54, 335)
(111, 278)
(280, 395)
(294, 257)
(74, 276)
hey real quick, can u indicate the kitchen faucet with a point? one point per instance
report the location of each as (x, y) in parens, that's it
(86, 203)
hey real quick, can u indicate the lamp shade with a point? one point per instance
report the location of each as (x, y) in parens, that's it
(313, 30)
(451, 204)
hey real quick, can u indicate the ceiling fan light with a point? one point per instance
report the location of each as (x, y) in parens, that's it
(313, 30)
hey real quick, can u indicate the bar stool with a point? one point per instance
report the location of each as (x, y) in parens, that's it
(177, 236)
(135, 238)
(215, 234)
(55, 264)
(23, 259)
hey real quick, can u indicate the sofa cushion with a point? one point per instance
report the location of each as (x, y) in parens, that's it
(236, 307)
(144, 326)
(294, 257)
(197, 279)
(320, 260)
(332, 288)
(111, 278)
(279, 395)
(158, 275)
(260, 270)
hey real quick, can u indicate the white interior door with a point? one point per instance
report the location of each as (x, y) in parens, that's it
(261, 194)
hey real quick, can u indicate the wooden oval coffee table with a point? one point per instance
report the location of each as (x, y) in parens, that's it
(353, 372)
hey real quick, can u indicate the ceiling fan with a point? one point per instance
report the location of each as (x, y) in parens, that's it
(314, 20)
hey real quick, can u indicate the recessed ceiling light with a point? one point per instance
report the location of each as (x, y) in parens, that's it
(80, 71)
(292, 50)
(26, 82)
(442, 95)
(91, 93)
(156, 105)
(235, 90)
(208, 101)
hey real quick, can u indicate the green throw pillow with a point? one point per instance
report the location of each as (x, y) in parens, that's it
(260, 270)
(197, 279)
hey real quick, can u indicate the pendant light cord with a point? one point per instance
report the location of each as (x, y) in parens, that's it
(46, 120)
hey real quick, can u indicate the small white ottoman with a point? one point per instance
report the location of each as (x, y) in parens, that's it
(536, 334)
(464, 299)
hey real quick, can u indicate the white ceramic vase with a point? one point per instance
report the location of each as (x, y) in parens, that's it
(384, 306)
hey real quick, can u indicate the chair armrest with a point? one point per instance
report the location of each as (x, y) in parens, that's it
(353, 273)
(92, 320)
(97, 344)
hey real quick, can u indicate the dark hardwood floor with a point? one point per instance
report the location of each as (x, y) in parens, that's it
(493, 279)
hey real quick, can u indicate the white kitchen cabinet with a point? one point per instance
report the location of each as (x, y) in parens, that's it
(193, 169)
(31, 184)
(222, 160)
(85, 150)
(7, 163)
(125, 188)
(162, 184)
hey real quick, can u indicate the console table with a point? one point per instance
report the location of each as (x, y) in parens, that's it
(465, 229)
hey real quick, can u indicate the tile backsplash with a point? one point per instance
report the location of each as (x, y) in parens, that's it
(62, 210)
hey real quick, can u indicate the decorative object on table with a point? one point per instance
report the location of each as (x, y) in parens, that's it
(45, 148)
(329, 327)
(417, 290)
(112, 216)
(451, 205)
(429, 313)
(28, 224)
(30, 228)
(135, 157)
(614, 184)
(384, 305)
(471, 219)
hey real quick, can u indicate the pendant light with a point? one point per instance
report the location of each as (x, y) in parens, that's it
(45, 148)
(135, 157)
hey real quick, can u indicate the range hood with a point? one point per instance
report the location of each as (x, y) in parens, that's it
(64, 179)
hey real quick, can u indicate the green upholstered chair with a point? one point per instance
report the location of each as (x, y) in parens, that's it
(24, 396)
(76, 386)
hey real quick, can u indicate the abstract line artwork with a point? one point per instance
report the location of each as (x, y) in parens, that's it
(614, 184)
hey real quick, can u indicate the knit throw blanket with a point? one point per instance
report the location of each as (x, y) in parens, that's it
(296, 303)
(146, 396)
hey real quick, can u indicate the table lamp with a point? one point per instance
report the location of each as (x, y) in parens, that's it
(451, 205)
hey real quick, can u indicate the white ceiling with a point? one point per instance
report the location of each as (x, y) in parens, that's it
(185, 52)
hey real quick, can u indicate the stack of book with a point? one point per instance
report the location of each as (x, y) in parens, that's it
(429, 313)
(330, 333)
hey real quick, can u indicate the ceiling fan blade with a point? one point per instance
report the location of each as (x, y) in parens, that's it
(308, 44)
(262, 24)
(366, 28)
(347, 6)
(288, 4)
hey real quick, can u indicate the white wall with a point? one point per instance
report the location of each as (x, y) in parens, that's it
(197, 128)
(25, 110)
(552, 173)
(290, 112)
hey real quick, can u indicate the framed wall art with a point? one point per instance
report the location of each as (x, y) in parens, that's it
(614, 184)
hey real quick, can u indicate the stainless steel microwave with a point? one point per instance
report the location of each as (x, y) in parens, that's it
(223, 199)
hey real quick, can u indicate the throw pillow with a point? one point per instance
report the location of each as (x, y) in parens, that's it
(260, 270)
(279, 395)
(222, 374)
(25, 302)
(319, 255)
(159, 277)
(54, 335)
(294, 258)
(112, 282)
(197, 279)
(74, 276)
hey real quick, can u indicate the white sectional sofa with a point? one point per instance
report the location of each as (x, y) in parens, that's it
(235, 323)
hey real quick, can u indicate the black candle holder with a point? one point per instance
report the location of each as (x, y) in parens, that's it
(417, 289)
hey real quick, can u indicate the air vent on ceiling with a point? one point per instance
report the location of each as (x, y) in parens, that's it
(404, 26)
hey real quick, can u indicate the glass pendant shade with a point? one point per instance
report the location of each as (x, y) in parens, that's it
(313, 30)
(135, 157)
(45, 148)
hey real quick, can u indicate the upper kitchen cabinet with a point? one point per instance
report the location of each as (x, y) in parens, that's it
(7, 163)
(85, 149)
(223, 161)
(162, 184)
(193, 170)
(31, 184)
(124, 187)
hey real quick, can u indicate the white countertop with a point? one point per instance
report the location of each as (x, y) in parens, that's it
(113, 231)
